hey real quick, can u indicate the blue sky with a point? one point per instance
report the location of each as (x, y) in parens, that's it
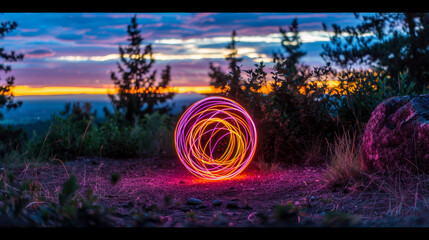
(80, 49)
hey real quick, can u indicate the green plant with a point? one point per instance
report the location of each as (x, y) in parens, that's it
(147, 137)
(339, 219)
(157, 133)
(68, 190)
(297, 110)
(68, 138)
(294, 110)
(286, 212)
(359, 93)
(11, 139)
(119, 139)
(114, 178)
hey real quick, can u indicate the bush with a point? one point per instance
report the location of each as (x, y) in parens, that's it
(67, 138)
(296, 111)
(11, 139)
(148, 137)
(119, 140)
(77, 134)
(359, 93)
(157, 135)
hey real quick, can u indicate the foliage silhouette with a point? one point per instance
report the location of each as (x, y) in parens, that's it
(230, 82)
(393, 42)
(139, 92)
(10, 137)
(6, 96)
(291, 113)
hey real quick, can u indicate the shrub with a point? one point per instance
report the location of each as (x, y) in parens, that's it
(359, 92)
(11, 139)
(119, 140)
(67, 138)
(296, 111)
(148, 137)
(157, 134)
(75, 134)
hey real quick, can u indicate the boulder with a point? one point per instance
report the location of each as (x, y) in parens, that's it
(397, 135)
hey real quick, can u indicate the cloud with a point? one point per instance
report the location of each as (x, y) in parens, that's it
(292, 16)
(78, 48)
(71, 37)
(39, 53)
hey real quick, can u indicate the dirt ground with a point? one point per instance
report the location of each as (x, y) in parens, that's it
(146, 183)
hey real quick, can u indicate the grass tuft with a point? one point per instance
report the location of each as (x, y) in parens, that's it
(344, 166)
(267, 166)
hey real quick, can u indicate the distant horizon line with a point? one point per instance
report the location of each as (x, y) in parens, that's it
(25, 90)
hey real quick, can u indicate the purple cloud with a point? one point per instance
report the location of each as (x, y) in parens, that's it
(39, 53)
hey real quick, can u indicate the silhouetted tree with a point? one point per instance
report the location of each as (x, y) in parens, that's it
(296, 110)
(291, 45)
(138, 90)
(10, 137)
(230, 82)
(6, 96)
(293, 112)
(393, 42)
(77, 112)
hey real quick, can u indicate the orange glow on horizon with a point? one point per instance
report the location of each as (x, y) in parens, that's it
(25, 90)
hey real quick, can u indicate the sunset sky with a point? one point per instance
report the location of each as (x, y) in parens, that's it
(75, 52)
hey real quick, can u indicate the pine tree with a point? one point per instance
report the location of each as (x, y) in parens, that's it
(295, 104)
(393, 42)
(138, 91)
(6, 95)
(231, 82)
(291, 45)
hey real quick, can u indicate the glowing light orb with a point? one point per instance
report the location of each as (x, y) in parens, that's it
(215, 138)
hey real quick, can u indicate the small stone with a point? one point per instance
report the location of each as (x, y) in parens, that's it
(184, 209)
(194, 201)
(232, 204)
(216, 202)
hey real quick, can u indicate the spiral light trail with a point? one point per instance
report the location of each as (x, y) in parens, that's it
(215, 138)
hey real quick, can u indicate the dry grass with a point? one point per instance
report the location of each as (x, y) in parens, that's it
(400, 192)
(344, 166)
(315, 151)
(267, 166)
(404, 194)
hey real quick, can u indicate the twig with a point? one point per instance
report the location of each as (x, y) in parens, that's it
(63, 166)
(83, 137)
(250, 216)
(28, 205)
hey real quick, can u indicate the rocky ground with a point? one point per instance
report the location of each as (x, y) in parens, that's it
(254, 198)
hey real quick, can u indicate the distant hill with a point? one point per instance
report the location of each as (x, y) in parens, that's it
(41, 108)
